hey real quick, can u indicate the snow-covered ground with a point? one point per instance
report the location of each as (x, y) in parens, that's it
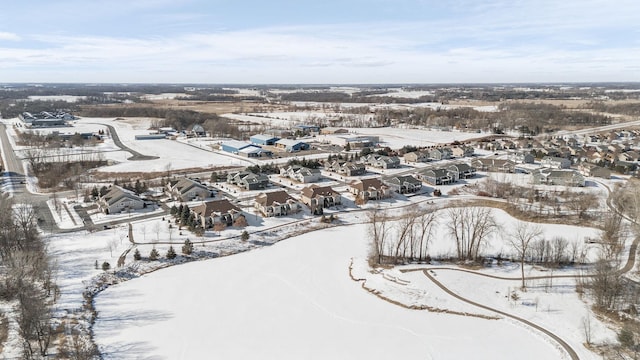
(172, 154)
(292, 300)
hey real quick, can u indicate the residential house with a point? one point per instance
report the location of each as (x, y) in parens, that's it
(300, 173)
(522, 157)
(462, 151)
(317, 198)
(417, 156)
(186, 189)
(564, 177)
(593, 170)
(369, 189)
(218, 211)
(118, 200)
(629, 156)
(461, 171)
(494, 165)
(276, 203)
(440, 153)
(404, 184)
(556, 162)
(381, 161)
(436, 176)
(346, 168)
(248, 180)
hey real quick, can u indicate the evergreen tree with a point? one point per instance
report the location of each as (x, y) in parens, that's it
(187, 248)
(103, 190)
(154, 255)
(191, 221)
(244, 236)
(138, 188)
(171, 254)
(94, 192)
(174, 210)
(136, 255)
(184, 215)
(106, 266)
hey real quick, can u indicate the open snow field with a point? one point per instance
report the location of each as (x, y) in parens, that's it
(292, 300)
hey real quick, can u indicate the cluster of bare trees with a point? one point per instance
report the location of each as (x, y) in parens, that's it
(539, 204)
(403, 239)
(27, 274)
(470, 227)
(58, 168)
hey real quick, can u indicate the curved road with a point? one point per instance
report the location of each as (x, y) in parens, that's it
(116, 140)
(556, 338)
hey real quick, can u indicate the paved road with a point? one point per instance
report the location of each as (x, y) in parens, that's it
(116, 140)
(556, 338)
(14, 172)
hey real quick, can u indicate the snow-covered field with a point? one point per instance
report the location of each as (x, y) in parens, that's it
(292, 300)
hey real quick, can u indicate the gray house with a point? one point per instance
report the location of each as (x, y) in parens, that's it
(556, 162)
(404, 184)
(439, 176)
(461, 171)
(562, 177)
(248, 180)
(441, 153)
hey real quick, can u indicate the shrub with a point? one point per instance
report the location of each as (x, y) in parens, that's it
(625, 336)
(171, 254)
(187, 248)
(106, 266)
(244, 236)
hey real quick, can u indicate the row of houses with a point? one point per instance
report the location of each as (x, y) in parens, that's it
(439, 153)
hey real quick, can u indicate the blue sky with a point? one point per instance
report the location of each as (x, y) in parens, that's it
(329, 41)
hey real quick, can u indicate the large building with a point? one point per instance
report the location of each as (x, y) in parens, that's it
(264, 139)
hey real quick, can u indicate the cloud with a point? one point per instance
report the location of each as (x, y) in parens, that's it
(7, 36)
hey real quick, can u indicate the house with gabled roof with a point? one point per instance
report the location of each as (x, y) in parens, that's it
(301, 174)
(318, 198)
(369, 189)
(417, 156)
(556, 162)
(436, 176)
(381, 161)
(118, 200)
(276, 203)
(217, 211)
(461, 171)
(404, 184)
(440, 153)
(347, 168)
(494, 165)
(462, 151)
(186, 189)
(564, 177)
(587, 169)
(248, 180)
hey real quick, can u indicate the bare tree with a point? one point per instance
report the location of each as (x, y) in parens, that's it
(424, 228)
(613, 235)
(378, 230)
(520, 238)
(470, 228)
